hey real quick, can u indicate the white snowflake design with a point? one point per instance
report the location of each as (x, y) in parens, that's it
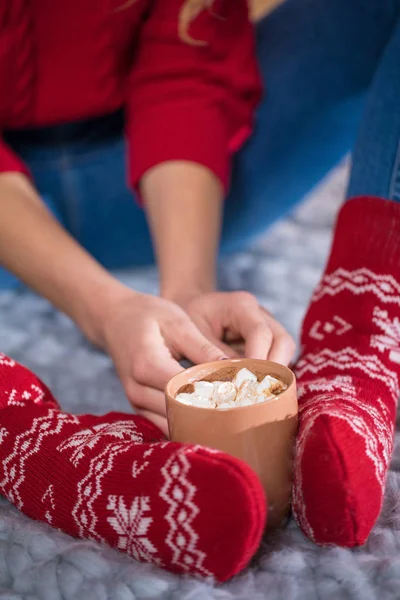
(24, 393)
(349, 359)
(6, 361)
(34, 394)
(3, 434)
(88, 438)
(336, 326)
(339, 383)
(132, 526)
(389, 339)
(360, 281)
(138, 468)
(179, 493)
(90, 489)
(27, 444)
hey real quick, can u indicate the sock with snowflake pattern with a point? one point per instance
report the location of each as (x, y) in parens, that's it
(348, 378)
(114, 479)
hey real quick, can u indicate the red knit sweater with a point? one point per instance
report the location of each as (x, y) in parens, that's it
(63, 60)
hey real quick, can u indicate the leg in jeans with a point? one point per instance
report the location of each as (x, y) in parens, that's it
(349, 370)
(376, 157)
(317, 58)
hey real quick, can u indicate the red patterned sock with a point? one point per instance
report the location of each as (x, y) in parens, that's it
(348, 377)
(114, 479)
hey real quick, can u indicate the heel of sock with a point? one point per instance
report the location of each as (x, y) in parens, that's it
(337, 495)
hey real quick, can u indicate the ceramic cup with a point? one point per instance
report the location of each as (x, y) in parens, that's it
(262, 435)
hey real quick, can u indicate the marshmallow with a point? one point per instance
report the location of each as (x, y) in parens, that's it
(270, 385)
(264, 386)
(247, 391)
(242, 376)
(225, 405)
(205, 389)
(185, 398)
(195, 400)
(277, 386)
(246, 402)
(201, 402)
(224, 392)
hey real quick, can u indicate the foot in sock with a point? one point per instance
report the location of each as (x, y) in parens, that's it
(348, 378)
(114, 479)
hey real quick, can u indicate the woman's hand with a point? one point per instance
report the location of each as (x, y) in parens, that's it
(146, 337)
(184, 203)
(231, 319)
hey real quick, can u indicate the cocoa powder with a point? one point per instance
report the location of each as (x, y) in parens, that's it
(186, 389)
(224, 374)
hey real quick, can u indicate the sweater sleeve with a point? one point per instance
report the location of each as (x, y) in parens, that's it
(9, 161)
(192, 102)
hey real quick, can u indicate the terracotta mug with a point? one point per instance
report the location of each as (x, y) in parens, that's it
(262, 435)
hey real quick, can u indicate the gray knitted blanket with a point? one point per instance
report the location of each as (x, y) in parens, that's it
(37, 562)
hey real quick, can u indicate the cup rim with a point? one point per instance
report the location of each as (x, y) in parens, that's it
(231, 361)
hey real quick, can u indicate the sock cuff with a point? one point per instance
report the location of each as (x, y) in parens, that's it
(367, 234)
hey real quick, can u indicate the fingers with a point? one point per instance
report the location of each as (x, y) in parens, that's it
(258, 341)
(191, 343)
(246, 318)
(160, 344)
(264, 337)
(153, 365)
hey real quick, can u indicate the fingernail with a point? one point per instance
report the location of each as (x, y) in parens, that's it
(224, 358)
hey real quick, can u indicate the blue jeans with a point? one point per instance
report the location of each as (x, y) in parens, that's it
(332, 75)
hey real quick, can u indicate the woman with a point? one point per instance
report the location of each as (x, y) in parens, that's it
(67, 216)
(189, 108)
